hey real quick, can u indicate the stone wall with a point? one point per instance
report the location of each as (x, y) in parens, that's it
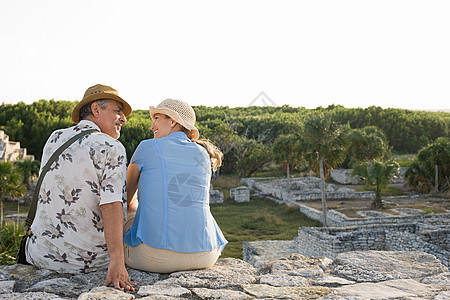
(344, 176)
(335, 218)
(329, 242)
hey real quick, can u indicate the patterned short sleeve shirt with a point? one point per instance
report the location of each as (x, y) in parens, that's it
(67, 232)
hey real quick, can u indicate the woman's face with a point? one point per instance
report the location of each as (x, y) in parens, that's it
(162, 126)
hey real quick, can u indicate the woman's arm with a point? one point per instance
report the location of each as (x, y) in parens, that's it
(132, 183)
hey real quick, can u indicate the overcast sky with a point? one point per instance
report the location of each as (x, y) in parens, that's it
(302, 53)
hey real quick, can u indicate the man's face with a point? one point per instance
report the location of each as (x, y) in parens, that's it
(111, 118)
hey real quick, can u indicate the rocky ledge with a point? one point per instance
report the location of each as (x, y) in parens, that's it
(352, 275)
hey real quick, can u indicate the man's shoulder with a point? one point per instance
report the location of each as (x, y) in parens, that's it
(105, 139)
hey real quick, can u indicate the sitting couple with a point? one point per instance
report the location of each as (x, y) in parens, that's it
(78, 226)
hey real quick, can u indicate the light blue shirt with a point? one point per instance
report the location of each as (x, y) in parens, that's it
(173, 194)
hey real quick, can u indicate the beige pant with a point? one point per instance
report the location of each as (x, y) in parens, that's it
(146, 258)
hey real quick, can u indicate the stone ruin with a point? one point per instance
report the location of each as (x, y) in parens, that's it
(409, 230)
(304, 188)
(239, 194)
(345, 176)
(11, 151)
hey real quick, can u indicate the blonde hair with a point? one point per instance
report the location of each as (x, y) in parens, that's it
(214, 153)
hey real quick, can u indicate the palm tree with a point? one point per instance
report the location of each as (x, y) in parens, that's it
(324, 141)
(10, 185)
(381, 172)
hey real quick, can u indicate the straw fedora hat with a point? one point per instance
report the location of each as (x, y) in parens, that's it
(98, 92)
(179, 111)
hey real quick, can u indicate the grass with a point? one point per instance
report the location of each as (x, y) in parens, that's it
(259, 219)
(10, 237)
(386, 191)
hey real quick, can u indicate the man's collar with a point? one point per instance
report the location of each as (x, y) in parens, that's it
(87, 123)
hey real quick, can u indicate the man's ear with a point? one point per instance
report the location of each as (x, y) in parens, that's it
(95, 108)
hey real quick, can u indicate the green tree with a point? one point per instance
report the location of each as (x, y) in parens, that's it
(10, 185)
(367, 143)
(28, 168)
(286, 152)
(324, 143)
(223, 134)
(135, 130)
(251, 155)
(422, 173)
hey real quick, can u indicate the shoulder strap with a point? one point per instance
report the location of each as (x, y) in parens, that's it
(33, 206)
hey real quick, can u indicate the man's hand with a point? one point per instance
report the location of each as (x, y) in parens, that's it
(113, 227)
(118, 276)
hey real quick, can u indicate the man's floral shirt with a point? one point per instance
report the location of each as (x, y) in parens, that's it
(67, 232)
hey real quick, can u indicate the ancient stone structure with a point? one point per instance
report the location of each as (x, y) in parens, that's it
(304, 188)
(408, 231)
(405, 232)
(215, 196)
(11, 151)
(352, 275)
(345, 176)
(240, 194)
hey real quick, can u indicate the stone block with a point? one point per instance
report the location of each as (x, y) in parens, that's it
(215, 196)
(240, 194)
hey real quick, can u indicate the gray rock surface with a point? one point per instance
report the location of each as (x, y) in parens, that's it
(352, 275)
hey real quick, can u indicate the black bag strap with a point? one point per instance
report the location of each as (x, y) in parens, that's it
(33, 206)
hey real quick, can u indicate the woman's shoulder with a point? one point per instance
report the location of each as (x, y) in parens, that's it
(147, 142)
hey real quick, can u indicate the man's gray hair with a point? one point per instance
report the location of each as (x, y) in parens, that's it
(86, 110)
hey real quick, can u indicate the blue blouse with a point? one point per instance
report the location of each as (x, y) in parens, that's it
(173, 194)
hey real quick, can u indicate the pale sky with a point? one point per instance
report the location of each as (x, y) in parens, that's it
(302, 53)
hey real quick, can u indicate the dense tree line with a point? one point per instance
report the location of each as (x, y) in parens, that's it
(246, 135)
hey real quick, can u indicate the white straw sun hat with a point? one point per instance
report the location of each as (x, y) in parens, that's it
(179, 111)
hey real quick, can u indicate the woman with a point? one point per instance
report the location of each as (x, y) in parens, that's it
(170, 227)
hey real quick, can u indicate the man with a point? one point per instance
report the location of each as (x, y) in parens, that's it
(78, 226)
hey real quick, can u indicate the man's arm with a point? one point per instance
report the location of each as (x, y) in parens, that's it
(113, 229)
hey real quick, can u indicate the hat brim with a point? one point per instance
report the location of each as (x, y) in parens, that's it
(174, 116)
(126, 108)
